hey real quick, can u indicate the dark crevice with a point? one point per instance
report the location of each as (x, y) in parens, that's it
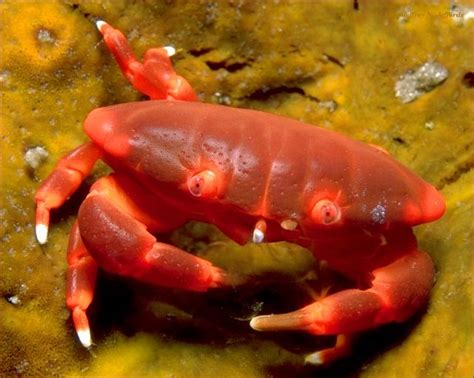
(399, 140)
(198, 52)
(264, 94)
(8, 297)
(456, 175)
(355, 5)
(468, 79)
(334, 60)
(75, 6)
(232, 67)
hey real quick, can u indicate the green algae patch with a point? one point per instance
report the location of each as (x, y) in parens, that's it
(30, 333)
(40, 41)
(325, 63)
(145, 355)
(252, 259)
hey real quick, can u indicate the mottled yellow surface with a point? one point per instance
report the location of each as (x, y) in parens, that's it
(293, 58)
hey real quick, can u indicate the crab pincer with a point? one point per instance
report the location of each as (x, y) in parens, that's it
(156, 76)
(396, 291)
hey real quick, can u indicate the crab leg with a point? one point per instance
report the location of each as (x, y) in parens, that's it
(341, 349)
(398, 289)
(62, 183)
(156, 77)
(81, 277)
(113, 221)
(112, 230)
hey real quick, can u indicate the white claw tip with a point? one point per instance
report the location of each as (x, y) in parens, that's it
(85, 337)
(258, 236)
(254, 323)
(314, 359)
(100, 24)
(170, 50)
(42, 233)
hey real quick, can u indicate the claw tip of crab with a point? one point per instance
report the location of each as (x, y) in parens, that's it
(258, 236)
(100, 24)
(254, 323)
(85, 337)
(42, 233)
(170, 50)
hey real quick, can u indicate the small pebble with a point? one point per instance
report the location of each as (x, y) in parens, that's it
(419, 81)
(45, 36)
(429, 125)
(35, 156)
(13, 299)
(330, 105)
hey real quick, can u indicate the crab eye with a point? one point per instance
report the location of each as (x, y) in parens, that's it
(203, 184)
(326, 212)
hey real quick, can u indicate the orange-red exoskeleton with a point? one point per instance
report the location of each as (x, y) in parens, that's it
(257, 177)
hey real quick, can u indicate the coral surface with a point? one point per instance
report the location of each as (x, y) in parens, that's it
(330, 63)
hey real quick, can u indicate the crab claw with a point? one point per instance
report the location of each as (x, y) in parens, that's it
(155, 77)
(299, 319)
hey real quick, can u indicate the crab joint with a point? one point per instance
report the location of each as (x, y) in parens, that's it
(289, 224)
(258, 235)
(203, 184)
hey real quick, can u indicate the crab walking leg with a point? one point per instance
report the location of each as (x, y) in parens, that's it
(81, 278)
(325, 356)
(114, 225)
(397, 291)
(156, 77)
(62, 182)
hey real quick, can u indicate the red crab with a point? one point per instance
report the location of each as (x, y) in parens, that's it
(257, 177)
